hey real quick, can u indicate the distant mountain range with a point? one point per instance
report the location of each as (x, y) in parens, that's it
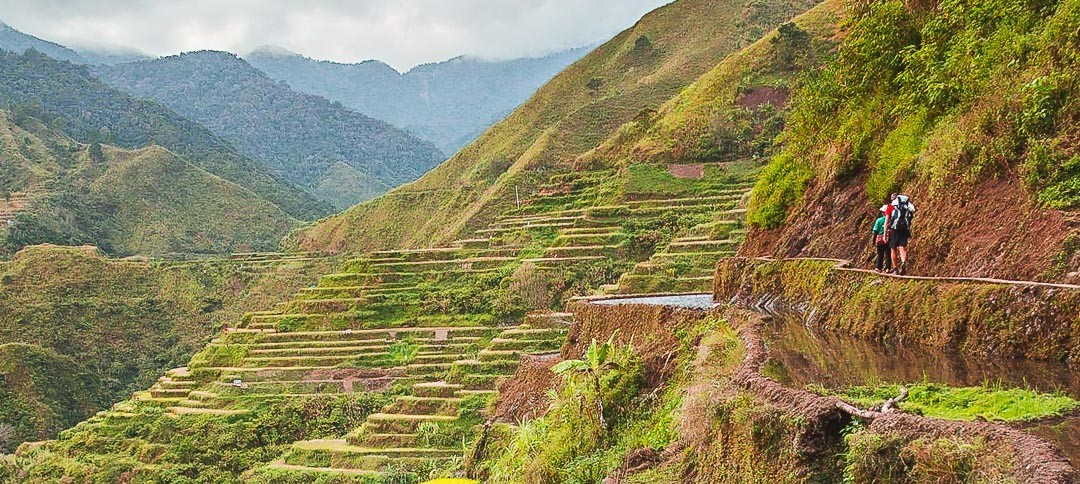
(18, 42)
(336, 155)
(340, 156)
(449, 103)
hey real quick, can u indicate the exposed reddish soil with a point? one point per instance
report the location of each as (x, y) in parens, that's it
(525, 395)
(989, 229)
(650, 329)
(692, 172)
(775, 96)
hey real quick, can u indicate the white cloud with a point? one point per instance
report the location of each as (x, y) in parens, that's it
(402, 33)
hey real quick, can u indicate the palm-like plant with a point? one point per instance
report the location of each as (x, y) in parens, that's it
(598, 361)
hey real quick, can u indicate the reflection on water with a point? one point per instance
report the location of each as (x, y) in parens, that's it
(689, 301)
(800, 357)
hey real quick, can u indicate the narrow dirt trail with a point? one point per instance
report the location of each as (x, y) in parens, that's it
(846, 266)
(1036, 460)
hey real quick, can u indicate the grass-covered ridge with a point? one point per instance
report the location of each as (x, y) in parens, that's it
(986, 402)
(638, 70)
(148, 201)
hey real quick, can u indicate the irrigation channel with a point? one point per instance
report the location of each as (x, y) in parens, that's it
(800, 358)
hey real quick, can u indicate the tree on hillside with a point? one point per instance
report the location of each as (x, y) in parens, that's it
(597, 362)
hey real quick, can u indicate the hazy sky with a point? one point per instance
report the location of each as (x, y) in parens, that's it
(402, 33)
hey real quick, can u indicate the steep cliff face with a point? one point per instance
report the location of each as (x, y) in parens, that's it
(969, 107)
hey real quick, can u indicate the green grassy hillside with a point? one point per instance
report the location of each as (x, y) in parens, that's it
(69, 99)
(974, 113)
(633, 73)
(79, 332)
(146, 201)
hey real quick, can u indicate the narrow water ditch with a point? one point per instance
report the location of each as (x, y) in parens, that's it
(800, 357)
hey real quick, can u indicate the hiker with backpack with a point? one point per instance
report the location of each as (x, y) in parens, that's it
(881, 241)
(901, 212)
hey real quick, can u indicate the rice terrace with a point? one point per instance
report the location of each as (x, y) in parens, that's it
(600, 241)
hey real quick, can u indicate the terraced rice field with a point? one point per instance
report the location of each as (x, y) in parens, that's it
(387, 322)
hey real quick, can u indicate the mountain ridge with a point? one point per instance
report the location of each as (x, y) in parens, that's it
(299, 136)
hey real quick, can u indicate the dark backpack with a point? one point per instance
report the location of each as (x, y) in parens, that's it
(903, 212)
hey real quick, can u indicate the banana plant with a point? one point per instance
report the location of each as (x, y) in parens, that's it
(598, 361)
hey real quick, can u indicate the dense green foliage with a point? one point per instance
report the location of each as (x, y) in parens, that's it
(448, 103)
(81, 332)
(148, 201)
(197, 449)
(66, 97)
(314, 143)
(955, 91)
(966, 403)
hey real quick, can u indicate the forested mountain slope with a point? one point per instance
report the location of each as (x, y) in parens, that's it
(146, 201)
(68, 98)
(79, 332)
(339, 156)
(628, 76)
(449, 103)
(970, 107)
(17, 42)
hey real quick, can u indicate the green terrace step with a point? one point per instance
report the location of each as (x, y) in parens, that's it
(427, 369)
(321, 306)
(361, 359)
(382, 440)
(435, 333)
(499, 355)
(694, 284)
(451, 340)
(488, 367)
(479, 381)
(389, 423)
(168, 383)
(526, 345)
(690, 201)
(532, 333)
(169, 393)
(298, 386)
(549, 320)
(338, 454)
(586, 231)
(179, 411)
(469, 393)
(472, 263)
(519, 222)
(555, 262)
(696, 258)
(505, 229)
(700, 246)
(410, 405)
(581, 251)
(442, 253)
(603, 238)
(310, 473)
(682, 209)
(356, 320)
(351, 350)
(436, 389)
(474, 243)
